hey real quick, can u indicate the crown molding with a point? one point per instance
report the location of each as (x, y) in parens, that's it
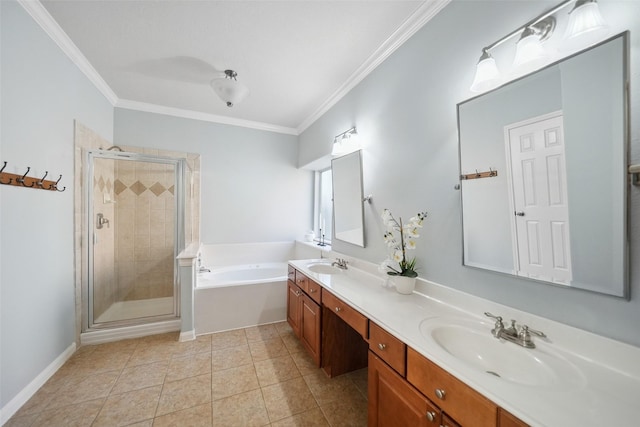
(205, 117)
(42, 17)
(417, 20)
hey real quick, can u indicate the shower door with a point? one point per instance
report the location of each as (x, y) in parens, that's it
(135, 223)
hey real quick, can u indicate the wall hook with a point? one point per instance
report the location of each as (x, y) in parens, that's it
(10, 179)
(367, 198)
(21, 180)
(54, 186)
(41, 182)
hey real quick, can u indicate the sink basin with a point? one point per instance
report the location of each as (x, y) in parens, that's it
(471, 343)
(324, 268)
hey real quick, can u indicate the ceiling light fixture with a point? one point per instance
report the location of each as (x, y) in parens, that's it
(584, 20)
(345, 143)
(229, 89)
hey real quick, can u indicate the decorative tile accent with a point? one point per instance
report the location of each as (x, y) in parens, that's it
(118, 186)
(138, 188)
(171, 189)
(157, 189)
(101, 184)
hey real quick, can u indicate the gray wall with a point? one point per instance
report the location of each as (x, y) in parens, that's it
(42, 94)
(252, 190)
(405, 112)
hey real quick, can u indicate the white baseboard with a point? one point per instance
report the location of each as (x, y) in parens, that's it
(116, 334)
(21, 398)
(188, 335)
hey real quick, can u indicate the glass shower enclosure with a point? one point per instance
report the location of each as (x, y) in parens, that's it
(135, 220)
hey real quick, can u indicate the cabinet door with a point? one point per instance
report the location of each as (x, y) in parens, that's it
(294, 295)
(310, 327)
(505, 419)
(448, 422)
(393, 402)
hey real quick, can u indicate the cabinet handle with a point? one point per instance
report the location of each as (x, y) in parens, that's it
(431, 416)
(382, 346)
(297, 293)
(440, 393)
(311, 291)
(300, 280)
(338, 309)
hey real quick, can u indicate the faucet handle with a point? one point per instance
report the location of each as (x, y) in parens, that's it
(498, 319)
(525, 330)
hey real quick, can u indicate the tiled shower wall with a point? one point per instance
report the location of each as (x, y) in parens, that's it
(145, 229)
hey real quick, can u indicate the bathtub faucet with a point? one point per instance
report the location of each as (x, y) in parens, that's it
(203, 269)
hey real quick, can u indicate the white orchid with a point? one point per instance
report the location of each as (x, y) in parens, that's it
(408, 234)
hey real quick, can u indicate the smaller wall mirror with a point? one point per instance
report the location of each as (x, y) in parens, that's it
(348, 210)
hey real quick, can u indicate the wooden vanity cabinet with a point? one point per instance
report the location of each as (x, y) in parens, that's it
(505, 419)
(393, 401)
(294, 295)
(465, 405)
(310, 329)
(304, 314)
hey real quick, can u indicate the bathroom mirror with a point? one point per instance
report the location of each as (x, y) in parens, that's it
(543, 173)
(348, 210)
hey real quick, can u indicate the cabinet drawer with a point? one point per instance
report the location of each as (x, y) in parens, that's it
(464, 404)
(505, 419)
(344, 311)
(291, 273)
(388, 348)
(314, 290)
(301, 281)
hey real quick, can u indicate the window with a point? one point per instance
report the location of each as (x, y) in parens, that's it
(323, 211)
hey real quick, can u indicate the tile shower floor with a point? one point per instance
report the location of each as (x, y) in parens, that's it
(259, 376)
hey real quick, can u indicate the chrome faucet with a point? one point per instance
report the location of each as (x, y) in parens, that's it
(340, 263)
(512, 334)
(202, 268)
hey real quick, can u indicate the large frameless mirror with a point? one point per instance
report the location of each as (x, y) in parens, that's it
(543, 168)
(348, 211)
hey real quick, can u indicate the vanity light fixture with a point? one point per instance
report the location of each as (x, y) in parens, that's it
(584, 20)
(229, 89)
(345, 143)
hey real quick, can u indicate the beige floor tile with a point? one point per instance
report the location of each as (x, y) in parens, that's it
(267, 349)
(183, 394)
(245, 409)
(288, 398)
(276, 370)
(168, 338)
(233, 381)
(128, 408)
(230, 357)
(311, 418)
(292, 342)
(201, 344)
(21, 421)
(141, 376)
(198, 416)
(349, 412)
(38, 402)
(304, 362)
(227, 339)
(152, 352)
(283, 327)
(80, 414)
(82, 389)
(94, 363)
(124, 346)
(145, 423)
(361, 379)
(189, 366)
(326, 389)
(261, 333)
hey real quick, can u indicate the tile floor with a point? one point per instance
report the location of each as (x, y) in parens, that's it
(259, 376)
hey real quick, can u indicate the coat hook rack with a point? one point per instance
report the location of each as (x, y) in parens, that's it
(487, 174)
(7, 178)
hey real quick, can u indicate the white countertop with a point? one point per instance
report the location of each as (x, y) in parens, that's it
(607, 392)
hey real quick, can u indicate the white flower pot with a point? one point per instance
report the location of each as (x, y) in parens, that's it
(404, 285)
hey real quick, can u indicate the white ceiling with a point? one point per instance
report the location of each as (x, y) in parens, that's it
(297, 57)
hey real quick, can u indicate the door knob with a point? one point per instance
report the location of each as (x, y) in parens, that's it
(519, 213)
